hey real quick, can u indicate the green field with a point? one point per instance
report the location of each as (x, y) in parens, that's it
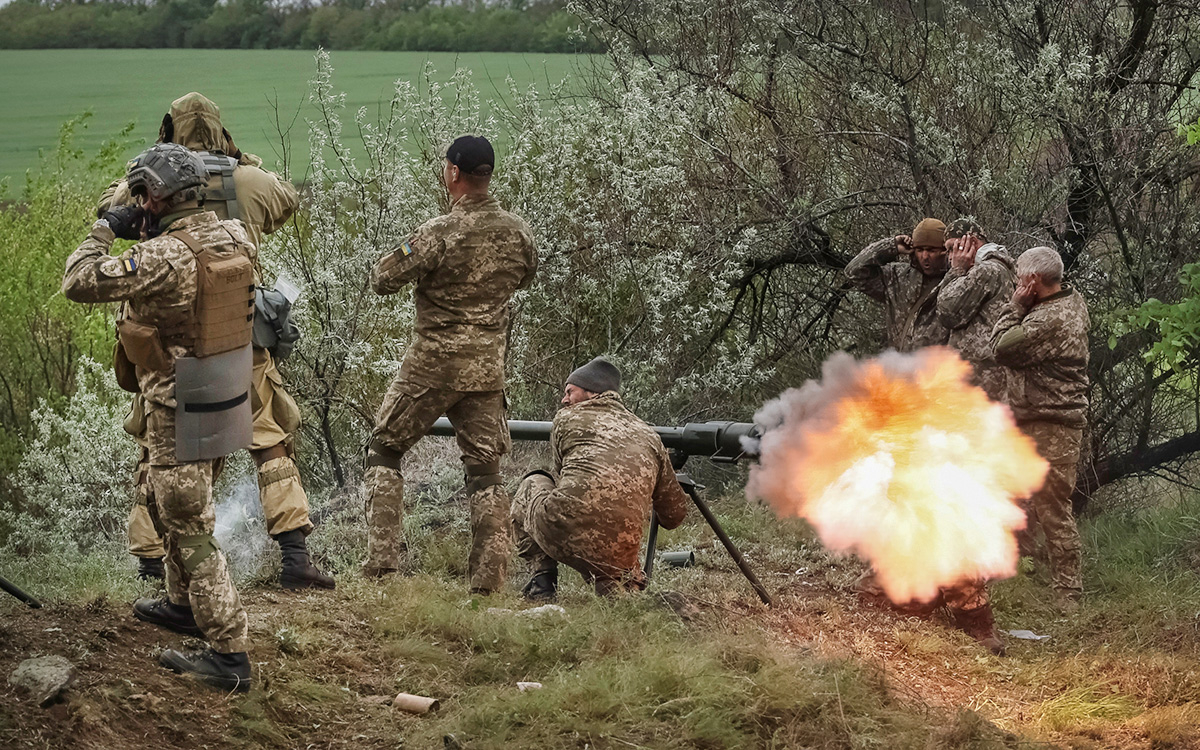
(43, 88)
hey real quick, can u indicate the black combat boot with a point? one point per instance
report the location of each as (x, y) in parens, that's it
(980, 624)
(228, 672)
(165, 614)
(151, 567)
(543, 586)
(298, 571)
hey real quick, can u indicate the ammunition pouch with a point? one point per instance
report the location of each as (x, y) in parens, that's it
(273, 326)
(141, 345)
(124, 370)
(481, 476)
(381, 455)
(212, 412)
(201, 547)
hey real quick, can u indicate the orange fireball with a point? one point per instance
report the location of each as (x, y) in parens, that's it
(901, 460)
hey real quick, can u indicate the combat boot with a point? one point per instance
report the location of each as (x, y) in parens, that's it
(151, 568)
(298, 571)
(228, 672)
(980, 624)
(165, 614)
(543, 586)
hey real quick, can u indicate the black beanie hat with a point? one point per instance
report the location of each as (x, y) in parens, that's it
(596, 376)
(473, 154)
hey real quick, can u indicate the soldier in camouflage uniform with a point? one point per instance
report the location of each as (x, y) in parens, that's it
(610, 470)
(904, 273)
(465, 266)
(264, 202)
(1043, 338)
(976, 291)
(157, 281)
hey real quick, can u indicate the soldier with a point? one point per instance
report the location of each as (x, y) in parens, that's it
(610, 469)
(465, 266)
(976, 291)
(185, 326)
(238, 188)
(904, 273)
(1043, 338)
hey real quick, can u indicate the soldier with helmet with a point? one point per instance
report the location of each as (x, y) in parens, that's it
(185, 326)
(465, 267)
(237, 187)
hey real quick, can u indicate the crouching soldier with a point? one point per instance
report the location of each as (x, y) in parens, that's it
(610, 470)
(185, 327)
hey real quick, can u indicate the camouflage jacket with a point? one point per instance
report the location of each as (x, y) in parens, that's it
(466, 265)
(1047, 351)
(156, 278)
(969, 304)
(612, 470)
(265, 200)
(910, 296)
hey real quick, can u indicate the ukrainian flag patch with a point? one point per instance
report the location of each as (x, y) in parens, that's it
(130, 265)
(405, 249)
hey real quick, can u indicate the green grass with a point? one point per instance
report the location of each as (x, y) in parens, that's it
(44, 88)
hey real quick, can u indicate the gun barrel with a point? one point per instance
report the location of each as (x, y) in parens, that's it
(719, 441)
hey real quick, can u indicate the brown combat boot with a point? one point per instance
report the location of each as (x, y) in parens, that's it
(298, 571)
(980, 624)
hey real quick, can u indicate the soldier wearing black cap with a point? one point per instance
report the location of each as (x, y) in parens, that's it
(610, 470)
(465, 266)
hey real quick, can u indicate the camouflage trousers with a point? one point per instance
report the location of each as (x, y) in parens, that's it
(179, 502)
(545, 538)
(965, 596)
(276, 418)
(406, 415)
(1049, 509)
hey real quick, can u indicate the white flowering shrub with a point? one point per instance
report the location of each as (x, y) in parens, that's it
(76, 476)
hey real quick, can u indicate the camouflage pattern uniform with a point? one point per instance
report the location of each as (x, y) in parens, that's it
(265, 203)
(465, 265)
(157, 279)
(908, 294)
(969, 304)
(611, 468)
(1047, 350)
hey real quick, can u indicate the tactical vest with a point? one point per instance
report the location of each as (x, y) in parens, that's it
(220, 195)
(221, 319)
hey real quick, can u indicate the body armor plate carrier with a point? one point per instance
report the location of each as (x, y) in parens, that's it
(220, 195)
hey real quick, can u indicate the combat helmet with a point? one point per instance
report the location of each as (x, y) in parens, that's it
(164, 170)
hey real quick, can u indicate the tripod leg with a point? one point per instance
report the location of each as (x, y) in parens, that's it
(729, 546)
(10, 588)
(651, 541)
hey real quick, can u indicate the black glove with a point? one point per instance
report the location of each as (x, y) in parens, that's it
(126, 222)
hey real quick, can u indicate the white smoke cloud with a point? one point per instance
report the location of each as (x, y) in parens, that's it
(240, 528)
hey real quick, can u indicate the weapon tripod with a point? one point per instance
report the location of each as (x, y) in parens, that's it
(18, 593)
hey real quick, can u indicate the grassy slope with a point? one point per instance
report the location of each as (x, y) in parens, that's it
(51, 86)
(820, 670)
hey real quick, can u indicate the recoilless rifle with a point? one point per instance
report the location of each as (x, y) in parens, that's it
(720, 442)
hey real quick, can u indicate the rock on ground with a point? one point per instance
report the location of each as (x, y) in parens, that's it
(45, 677)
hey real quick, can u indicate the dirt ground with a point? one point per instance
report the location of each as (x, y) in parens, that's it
(122, 699)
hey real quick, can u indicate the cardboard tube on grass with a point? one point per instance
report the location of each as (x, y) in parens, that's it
(415, 704)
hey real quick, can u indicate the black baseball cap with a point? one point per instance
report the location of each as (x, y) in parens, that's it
(472, 154)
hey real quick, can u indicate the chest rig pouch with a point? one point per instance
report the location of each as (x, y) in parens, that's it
(212, 389)
(220, 196)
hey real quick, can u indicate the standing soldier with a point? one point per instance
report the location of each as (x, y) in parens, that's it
(1043, 338)
(186, 328)
(465, 267)
(238, 188)
(975, 293)
(610, 471)
(904, 273)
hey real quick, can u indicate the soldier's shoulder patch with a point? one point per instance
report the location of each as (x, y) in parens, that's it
(115, 268)
(405, 248)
